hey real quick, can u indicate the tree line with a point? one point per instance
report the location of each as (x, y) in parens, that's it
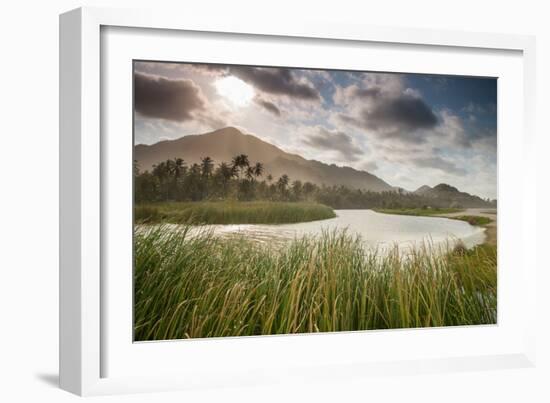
(243, 180)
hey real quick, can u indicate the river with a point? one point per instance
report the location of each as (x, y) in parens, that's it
(378, 231)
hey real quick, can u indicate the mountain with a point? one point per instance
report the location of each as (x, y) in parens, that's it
(222, 145)
(423, 190)
(447, 195)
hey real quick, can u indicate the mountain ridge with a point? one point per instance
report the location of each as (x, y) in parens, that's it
(444, 193)
(223, 144)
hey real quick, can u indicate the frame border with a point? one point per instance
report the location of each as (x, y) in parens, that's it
(80, 241)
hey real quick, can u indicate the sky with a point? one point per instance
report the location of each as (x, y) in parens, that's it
(408, 129)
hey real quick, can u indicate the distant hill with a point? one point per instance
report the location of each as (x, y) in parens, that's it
(224, 144)
(446, 195)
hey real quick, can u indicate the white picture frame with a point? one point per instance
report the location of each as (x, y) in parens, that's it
(86, 345)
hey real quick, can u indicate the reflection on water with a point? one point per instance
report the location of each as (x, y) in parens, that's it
(378, 231)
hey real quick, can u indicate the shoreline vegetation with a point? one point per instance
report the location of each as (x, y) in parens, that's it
(206, 286)
(477, 220)
(477, 217)
(424, 212)
(231, 212)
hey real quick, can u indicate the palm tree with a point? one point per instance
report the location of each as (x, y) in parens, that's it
(170, 167)
(193, 182)
(161, 170)
(308, 188)
(258, 169)
(177, 170)
(282, 183)
(269, 178)
(207, 166)
(225, 172)
(249, 173)
(297, 189)
(240, 162)
(283, 180)
(178, 167)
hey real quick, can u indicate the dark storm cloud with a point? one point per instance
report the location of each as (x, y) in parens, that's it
(334, 141)
(439, 163)
(277, 81)
(270, 80)
(406, 112)
(367, 92)
(393, 115)
(162, 98)
(268, 106)
(403, 113)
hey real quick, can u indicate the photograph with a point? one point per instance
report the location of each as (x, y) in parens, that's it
(288, 200)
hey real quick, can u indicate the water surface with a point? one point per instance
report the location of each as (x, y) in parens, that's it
(378, 231)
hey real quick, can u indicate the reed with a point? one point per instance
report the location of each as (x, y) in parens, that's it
(227, 212)
(195, 286)
(474, 219)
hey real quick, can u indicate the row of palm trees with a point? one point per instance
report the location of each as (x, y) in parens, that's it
(173, 179)
(241, 179)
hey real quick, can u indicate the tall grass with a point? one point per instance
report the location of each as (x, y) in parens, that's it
(474, 219)
(226, 212)
(204, 286)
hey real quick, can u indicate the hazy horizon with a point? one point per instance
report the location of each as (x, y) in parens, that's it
(408, 129)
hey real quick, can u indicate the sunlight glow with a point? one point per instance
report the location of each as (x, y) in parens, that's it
(236, 91)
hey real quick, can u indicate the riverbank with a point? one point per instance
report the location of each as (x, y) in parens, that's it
(481, 217)
(423, 212)
(483, 213)
(231, 212)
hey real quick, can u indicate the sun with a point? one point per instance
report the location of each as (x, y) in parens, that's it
(236, 91)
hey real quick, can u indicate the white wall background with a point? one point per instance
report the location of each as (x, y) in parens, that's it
(29, 200)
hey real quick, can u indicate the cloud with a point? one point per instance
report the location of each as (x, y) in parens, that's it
(162, 98)
(276, 81)
(369, 166)
(383, 106)
(211, 69)
(367, 92)
(391, 115)
(389, 84)
(269, 80)
(212, 120)
(465, 133)
(338, 141)
(268, 106)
